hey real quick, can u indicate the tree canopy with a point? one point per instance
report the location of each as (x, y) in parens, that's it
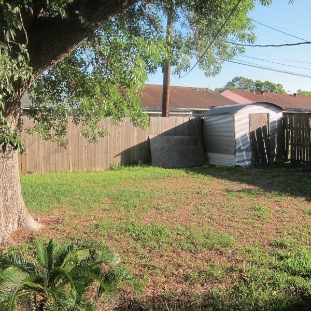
(35, 36)
(246, 84)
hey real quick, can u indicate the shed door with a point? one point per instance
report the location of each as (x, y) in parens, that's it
(259, 137)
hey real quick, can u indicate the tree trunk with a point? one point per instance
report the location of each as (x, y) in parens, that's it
(13, 213)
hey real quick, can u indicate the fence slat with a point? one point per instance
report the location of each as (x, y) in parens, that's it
(297, 135)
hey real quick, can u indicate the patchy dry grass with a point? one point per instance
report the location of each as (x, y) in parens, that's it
(209, 238)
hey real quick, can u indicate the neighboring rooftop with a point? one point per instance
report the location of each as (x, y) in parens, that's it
(183, 98)
(288, 102)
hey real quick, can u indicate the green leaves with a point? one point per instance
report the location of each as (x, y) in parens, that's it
(201, 30)
(60, 278)
(8, 137)
(14, 69)
(246, 84)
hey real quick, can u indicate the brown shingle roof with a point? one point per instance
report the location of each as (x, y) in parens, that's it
(183, 98)
(285, 101)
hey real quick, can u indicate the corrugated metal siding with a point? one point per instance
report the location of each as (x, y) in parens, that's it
(219, 134)
(243, 158)
(220, 159)
(243, 150)
(228, 133)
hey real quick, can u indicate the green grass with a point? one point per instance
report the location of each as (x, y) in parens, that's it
(44, 193)
(209, 238)
(281, 243)
(260, 210)
(198, 241)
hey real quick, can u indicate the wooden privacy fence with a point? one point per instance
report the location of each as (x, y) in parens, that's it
(124, 145)
(298, 137)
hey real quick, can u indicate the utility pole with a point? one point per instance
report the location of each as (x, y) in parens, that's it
(167, 67)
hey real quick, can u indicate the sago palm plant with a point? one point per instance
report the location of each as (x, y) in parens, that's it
(72, 277)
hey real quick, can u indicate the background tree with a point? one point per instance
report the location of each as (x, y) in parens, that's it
(268, 87)
(105, 75)
(239, 83)
(304, 93)
(246, 84)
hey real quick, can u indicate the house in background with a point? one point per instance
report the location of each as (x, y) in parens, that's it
(186, 101)
(244, 134)
(292, 103)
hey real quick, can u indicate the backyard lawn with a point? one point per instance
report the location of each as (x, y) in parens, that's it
(209, 238)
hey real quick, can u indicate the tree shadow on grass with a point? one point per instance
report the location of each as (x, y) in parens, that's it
(210, 302)
(276, 179)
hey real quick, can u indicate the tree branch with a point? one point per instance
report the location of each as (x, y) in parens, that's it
(52, 38)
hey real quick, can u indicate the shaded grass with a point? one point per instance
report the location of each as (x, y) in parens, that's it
(208, 238)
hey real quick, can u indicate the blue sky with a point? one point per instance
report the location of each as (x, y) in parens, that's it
(292, 19)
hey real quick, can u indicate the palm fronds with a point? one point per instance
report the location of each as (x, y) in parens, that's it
(60, 278)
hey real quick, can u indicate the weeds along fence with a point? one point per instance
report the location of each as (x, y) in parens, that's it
(124, 145)
(298, 137)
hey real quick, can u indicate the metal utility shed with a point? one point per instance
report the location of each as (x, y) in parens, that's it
(244, 134)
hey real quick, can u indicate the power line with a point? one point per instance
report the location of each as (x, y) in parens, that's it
(272, 62)
(267, 68)
(269, 45)
(255, 45)
(283, 32)
(291, 60)
(217, 34)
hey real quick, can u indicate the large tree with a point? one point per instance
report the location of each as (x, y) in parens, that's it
(104, 70)
(34, 36)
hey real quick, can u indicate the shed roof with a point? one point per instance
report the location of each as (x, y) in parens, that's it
(232, 109)
(286, 101)
(184, 98)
